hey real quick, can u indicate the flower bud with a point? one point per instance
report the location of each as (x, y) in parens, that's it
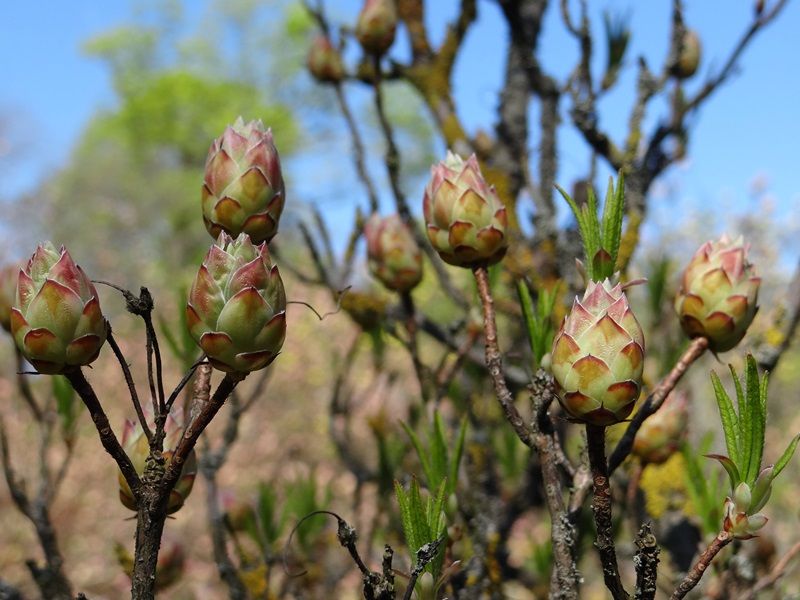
(324, 62)
(393, 255)
(598, 356)
(243, 188)
(56, 320)
(376, 26)
(661, 433)
(718, 294)
(466, 222)
(689, 55)
(136, 446)
(237, 306)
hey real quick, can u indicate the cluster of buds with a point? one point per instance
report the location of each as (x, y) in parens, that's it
(237, 306)
(393, 255)
(376, 26)
(466, 222)
(137, 447)
(718, 294)
(56, 320)
(243, 189)
(598, 356)
(742, 519)
(660, 434)
(324, 61)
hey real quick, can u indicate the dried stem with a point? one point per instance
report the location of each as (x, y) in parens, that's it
(601, 506)
(692, 578)
(126, 371)
(565, 576)
(774, 575)
(646, 561)
(494, 360)
(413, 346)
(654, 401)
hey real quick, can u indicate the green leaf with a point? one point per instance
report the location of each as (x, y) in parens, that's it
(730, 467)
(438, 450)
(728, 416)
(405, 515)
(455, 458)
(751, 424)
(611, 226)
(526, 302)
(785, 457)
(419, 515)
(422, 453)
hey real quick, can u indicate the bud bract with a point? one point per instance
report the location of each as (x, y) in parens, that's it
(598, 356)
(466, 222)
(237, 306)
(56, 320)
(393, 255)
(376, 26)
(243, 188)
(718, 294)
(324, 61)
(136, 446)
(737, 521)
(661, 433)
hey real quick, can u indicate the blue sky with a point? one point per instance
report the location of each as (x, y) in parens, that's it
(750, 128)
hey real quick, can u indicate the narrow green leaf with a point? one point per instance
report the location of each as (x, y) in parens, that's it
(438, 452)
(424, 459)
(728, 417)
(419, 515)
(613, 213)
(730, 467)
(785, 457)
(455, 458)
(526, 302)
(405, 516)
(751, 424)
(588, 226)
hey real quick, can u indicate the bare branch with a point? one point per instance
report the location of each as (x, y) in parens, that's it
(692, 578)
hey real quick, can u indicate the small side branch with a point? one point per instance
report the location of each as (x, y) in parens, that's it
(107, 437)
(494, 361)
(693, 577)
(654, 401)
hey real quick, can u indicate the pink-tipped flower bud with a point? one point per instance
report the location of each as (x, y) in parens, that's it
(136, 446)
(393, 255)
(598, 356)
(718, 294)
(56, 320)
(8, 293)
(237, 306)
(466, 222)
(324, 61)
(376, 26)
(243, 188)
(660, 435)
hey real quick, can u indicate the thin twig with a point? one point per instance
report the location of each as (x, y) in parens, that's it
(126, 372)
(692, 578)
(768, 354)
(654, 401)
(494, 361)
(774, 575)
(106, 433)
